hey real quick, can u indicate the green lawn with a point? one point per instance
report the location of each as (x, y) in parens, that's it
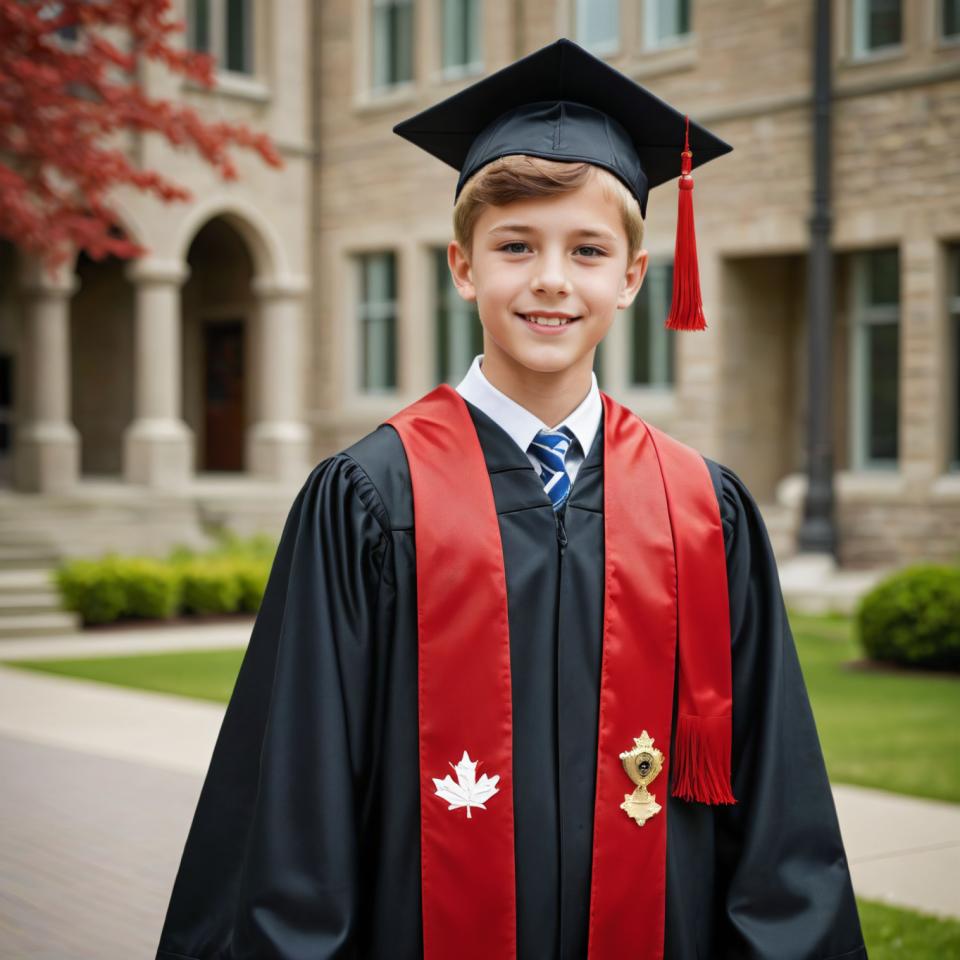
(894, 934)
(894, 731)
(202, 675)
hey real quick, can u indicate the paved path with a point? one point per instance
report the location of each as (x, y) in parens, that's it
(116, 642)
(100, 784)
(88, 852)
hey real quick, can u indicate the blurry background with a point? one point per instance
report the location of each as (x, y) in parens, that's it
(170, 405)
(277, 318)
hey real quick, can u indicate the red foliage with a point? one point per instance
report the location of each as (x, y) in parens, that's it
(65, 108)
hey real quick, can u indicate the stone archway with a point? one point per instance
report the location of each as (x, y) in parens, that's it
(218, 356)
(237, 274)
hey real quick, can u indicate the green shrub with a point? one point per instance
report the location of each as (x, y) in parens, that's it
(152, 587)
(93, 588)
(230, 577)
(913, 618)
(252, 574)
(209, 585)
(258, 546)
(181, 554)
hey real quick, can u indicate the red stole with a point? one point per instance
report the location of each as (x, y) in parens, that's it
(665, 589)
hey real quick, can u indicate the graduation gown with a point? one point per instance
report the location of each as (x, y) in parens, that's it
(305, 843)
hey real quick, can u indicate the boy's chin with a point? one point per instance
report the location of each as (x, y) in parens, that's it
(548, 358)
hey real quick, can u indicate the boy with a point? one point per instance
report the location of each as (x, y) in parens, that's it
(522, 683)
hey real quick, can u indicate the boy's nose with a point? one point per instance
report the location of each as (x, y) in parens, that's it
(550, 277)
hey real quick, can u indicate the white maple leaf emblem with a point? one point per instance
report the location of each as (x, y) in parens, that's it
(468, 791)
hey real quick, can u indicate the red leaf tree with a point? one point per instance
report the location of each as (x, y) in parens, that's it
(64, 105)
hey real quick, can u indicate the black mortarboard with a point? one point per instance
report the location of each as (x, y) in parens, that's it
(563, 103)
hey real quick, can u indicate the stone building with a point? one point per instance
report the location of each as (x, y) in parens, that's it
(279, 318)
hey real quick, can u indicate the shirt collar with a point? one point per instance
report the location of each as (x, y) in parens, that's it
(518, 421)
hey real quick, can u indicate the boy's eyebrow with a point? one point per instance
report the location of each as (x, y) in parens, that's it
(597, 232)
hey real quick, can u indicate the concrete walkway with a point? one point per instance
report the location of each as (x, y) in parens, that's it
(100, 784)
(118, 642)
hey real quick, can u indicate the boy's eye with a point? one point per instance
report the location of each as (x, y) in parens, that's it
(595, 251)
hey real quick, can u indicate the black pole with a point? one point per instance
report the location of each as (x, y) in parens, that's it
(818, 531)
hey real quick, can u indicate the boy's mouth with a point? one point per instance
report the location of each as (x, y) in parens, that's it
(548, 319)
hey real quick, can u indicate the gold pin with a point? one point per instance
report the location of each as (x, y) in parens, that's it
(642, 765)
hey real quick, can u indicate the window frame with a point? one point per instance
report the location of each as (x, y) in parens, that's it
(368, 312)
(475, 21)
(953, 322)
(374, 86)
(943, 38)
(859, 19)
(217, 11)
(652, 40)
(447, 304)
(663, 365)
(607, 48)
(864, 317)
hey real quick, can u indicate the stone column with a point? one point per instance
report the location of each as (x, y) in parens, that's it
(47, 445)
(924, 343)
(158, 445)
(278, 440)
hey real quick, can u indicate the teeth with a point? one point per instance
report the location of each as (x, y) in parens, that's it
(547, 321)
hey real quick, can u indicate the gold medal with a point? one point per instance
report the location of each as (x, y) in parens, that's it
(642, 765)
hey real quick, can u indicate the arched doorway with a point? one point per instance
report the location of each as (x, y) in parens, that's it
(218, 305)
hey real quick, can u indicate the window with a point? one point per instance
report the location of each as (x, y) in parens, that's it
(666, 22)
(598, 362)
(6, 404)
(223, 28)
(652, 346)
(950, 19)
(392, 42)
(459, 334)
(598, 25)
(954, 308)
(874, 355)
(462, 30)
(377, 315)
(876, 24)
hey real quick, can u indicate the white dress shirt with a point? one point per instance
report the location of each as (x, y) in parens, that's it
(523, 425)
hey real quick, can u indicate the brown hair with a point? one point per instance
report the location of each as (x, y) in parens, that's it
(520, 177)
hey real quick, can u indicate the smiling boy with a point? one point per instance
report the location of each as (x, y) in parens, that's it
(568, 254)
(522, 683)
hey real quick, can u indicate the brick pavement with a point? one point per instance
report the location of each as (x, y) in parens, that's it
(88, 852)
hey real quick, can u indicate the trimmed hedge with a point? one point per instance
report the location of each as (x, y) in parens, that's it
(231, 578)
(912, 618)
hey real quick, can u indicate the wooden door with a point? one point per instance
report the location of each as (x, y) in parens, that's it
(224, 401)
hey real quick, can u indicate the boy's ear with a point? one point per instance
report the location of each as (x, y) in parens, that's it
(633, 279)
(461, 271)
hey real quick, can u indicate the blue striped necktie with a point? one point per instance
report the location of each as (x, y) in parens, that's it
(551, 447)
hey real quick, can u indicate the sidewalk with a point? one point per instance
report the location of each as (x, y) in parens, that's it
(117, 642)
(102, 781)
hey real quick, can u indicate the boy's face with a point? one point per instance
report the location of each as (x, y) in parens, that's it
(563, 256)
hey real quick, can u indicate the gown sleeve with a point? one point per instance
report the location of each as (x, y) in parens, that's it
(784, 890)
(270, 865)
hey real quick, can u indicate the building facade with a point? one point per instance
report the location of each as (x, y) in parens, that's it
(189, 359)
(279, 318)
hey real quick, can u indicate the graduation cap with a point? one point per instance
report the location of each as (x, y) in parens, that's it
(563, 103)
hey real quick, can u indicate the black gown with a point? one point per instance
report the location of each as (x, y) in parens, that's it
(305, 841)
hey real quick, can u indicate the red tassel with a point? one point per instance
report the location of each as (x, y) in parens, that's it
(686, 308)
(701, 760)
